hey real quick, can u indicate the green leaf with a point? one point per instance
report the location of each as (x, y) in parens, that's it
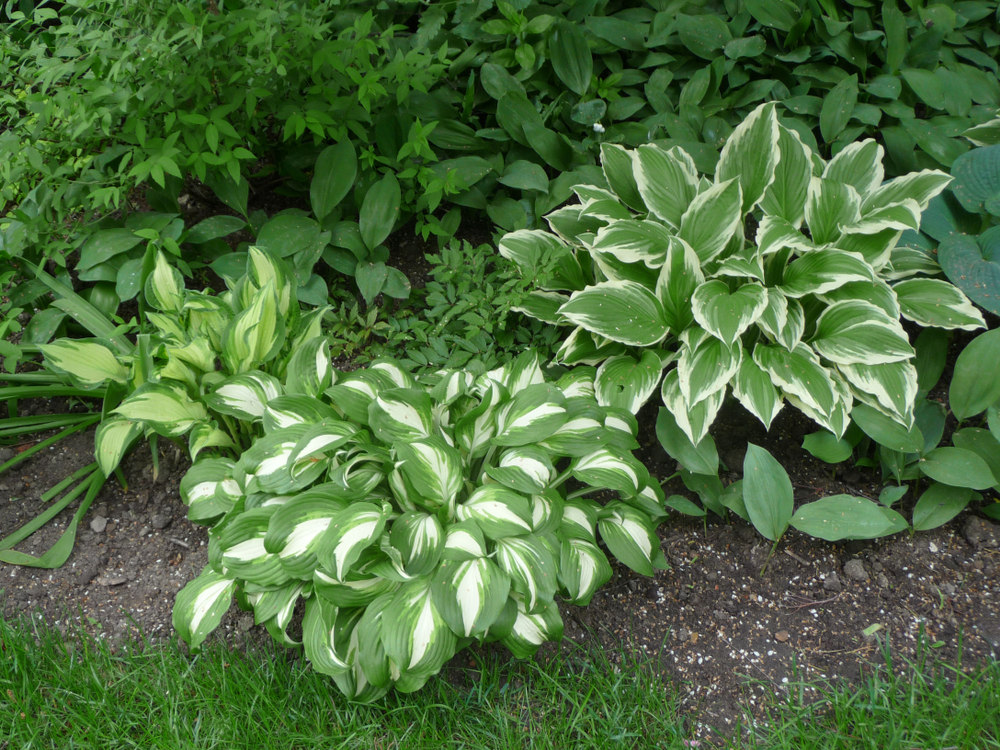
(553, 147)
(778, 14)
(751, 154)
(828, 447)
(931, 347)
(767, 492)
(379, 211)
(944, 149)
(371, 277)
(977, 180)
(973, 265)
(698, 459)
(984, 444)
(957, 467)
(886, 431)
(200, 605)
(83, 312)
(618, 32)
(939, 504)
(974, 384)
(104, 245)
(571, 57)
(333, 177)
(622, 311)
(704, 34)
(838, 105)
(845, 517)
(214, 227)
(525, 175)
(897, 38)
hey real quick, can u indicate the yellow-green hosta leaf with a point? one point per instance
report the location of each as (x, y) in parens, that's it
(937, 303)
(165, 286)
(89, 364)
(532, 569)
(629, 535)
(244, 396)
(309, 370)
(751, 154)
(256, 334)
(167, 410)
(198, 353)
(349, 534)
(414, 634)
(263, 268)
(470, 595)
(111, 442)
(200, 489)
(200, 605)
(433, 467)
(529, 631)
(526, 469)
(401, 414)
(858, 332)
(498, 511)
(420, 538)
(532, 415)
(667, 181)
(583, 569)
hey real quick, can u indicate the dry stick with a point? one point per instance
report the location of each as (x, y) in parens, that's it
(185, 545)
(796, 557)
(814, 603)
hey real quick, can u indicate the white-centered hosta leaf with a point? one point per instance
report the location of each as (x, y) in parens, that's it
(244, 396)
(580, 347)
(830, 205)
(200, 605)
(112, 441)
(415, 635)
(470, 595)
(920, 186)
(391, 370)
(625, 383)
(326, 636)
(629, 535)
(799, 373)
(476, 428)
(349, 533)
(859, 165)
(680, 275)
(464, 541)
(783, 319)
(165, 286)
(580, 434)
(728, 315)
(310, 371)
(433, 467)
(583, 569)
(622, 429)
(667, 181)
(858, 332)
(295, 531)
(753, 388)
(420, 538)
(937, 303)
(891, 387)
(527, 469)
(532, 569)
(530, 416)
(634, 241)
(516, 375)
(529, 631)
(498, 511)
(243, 552)
(401, 414)
(578, 383)
(712, 218)
(622, 311)
(579, 519)
(199, 489)
(785, 197)
(823, 271)
(286, 411)
(546, 511)
(167, 410)
(256, 334)
(706, 365)
(751, 155)
(89, 364)
(609, 468)
(356, 591)
(693, 419)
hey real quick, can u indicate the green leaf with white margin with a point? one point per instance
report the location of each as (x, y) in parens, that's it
(309, 370)
(783, 319)
(532, 250)
(200, 605)
(243, 553)
(165, 286)
(200, 489)
(799, 373)
(583, 347)
(167, 410)
(611, 469)
(751, 155)
(623, 311)
(470, 595)
(896, 216)
(532, 630)
(112, 441)
(785, 198)
(633, 241)
(712, 218)
(433, 467)
(767, 493)
(823, 271)
(679, 276)
(858, 332)
(415, 635)
(889, 387)
(920, 186)
(693, 419)
(728, 315)
(401, 414)
(830, 205)
(775, 233)
(349, 533)
(753, 388)
(667, 181)
(89, 364)
(706, 364)
(859, 165)
(581, 433)
(543, 306)
(534, 414)
(629, 535)
(625, 383)
(583, 569)
(878, 293)
(296, 528)
(498, 511)
(935, 303)
(526, 469)
(532, 569)
(419, 538)
(840, 517)
(616, 162)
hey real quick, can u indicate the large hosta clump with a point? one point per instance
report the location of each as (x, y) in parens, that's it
(415, 517)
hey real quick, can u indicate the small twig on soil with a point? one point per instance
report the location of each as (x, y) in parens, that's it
(811, 603)
(796, 557)
(178, 541)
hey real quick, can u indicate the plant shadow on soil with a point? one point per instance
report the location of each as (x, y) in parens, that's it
(727, 636)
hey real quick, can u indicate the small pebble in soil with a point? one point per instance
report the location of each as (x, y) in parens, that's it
(111, 580)
(979, 532)
(883, 582)
(160, 521)
(245, 623)
(855, 570)
(6, 454)
(781, 636)
(99, 524)
(832, 583)
(712, 575)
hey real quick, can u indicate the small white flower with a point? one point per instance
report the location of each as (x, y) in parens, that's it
(598, 128)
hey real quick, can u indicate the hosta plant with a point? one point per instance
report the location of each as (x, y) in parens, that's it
(414, 517)
(779, 278)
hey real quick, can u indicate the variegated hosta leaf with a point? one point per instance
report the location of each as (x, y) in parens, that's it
(398, 375)
(751, 154)
(798, 373)
(859, 165)
(401, 414)
(728, 315)
(616, 163)
(920, 186)
(256, 334)
(712, 219)
(543, 306)
(785, 197)
(464, 541)
(775, 234)
(694, 419)
(420, 539)
(199, 489)
(476, 428)
(667, 181)
(207, 435)
(354, 392)
(516, 375)
(634, 241)
(415, 636)
(372, 660)
(268, 464)
(580, 348)
(321, 440)
(533, 414)
(622, 311)
(546, 511)
(165, 286)
(356, 591)
(433, 467)
(526, 469)
(531, 567)
(875, 248)
(470, 595)
(243, 552)
(753, 388)
(627, 384)
(839, 419)
(499, 512)
(858, 332)
(286, 411)
(706, 365)
(630, 537)
(582, 431)
(891, 388)
(274, 607)
(680, 275)
(295, 530)
(578, 383)
(112, 441)
(896, 216)
(822, 271)
(208, 316)
(783, 319)
(611, 469)
(579, 520)
(583, 569)
(264, 268)
(350, 532)
(87, 363)
(909, 260)
(830, 206)
(529, 631)
(650, 499)
(200, 605)
(326, 636)
(309, 371)
(452, 386)
(622, 429)
(167, 410)
(309, 327)
(937, 303)
(878, 293)
(244, 396)
(531, 249)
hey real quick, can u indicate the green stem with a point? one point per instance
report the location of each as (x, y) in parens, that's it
(30, 377)
(486, 461)
(580, 493)
(68, 481)
(562, 477)
(770, 555)
(43, 518)
(46, 443)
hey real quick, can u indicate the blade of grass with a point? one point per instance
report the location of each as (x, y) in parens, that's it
(50, 391)
(43, 424)
(83, 312)
(43, 518)
(46, 443)
(68, 481)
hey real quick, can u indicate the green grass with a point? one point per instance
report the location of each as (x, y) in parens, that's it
(76, 693)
